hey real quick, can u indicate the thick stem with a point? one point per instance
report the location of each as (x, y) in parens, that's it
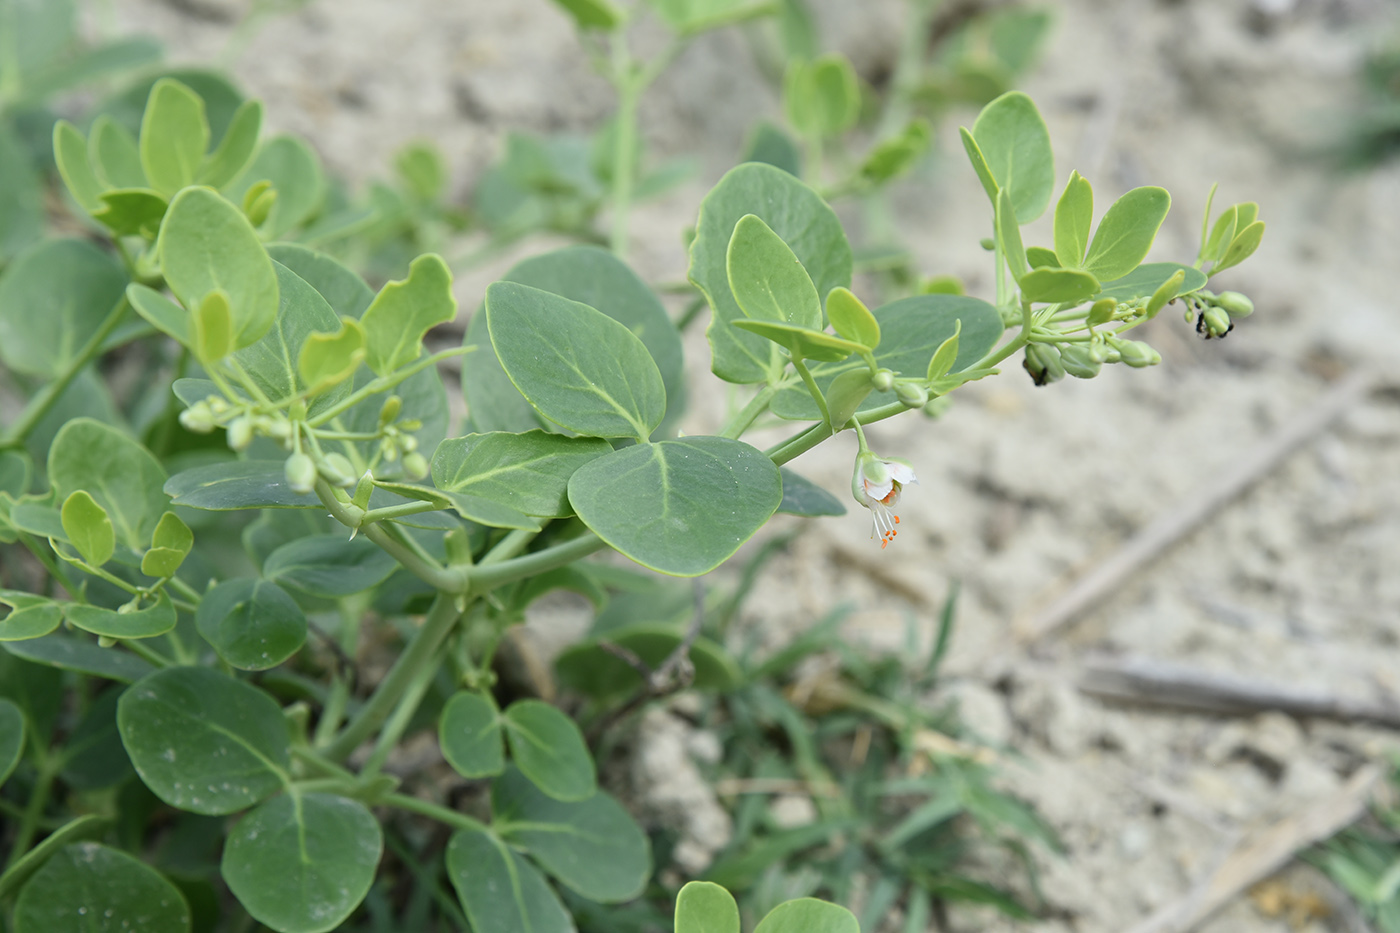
(434, 811)
(799, 444)
(430, 572)
(397, 723)
(421, 651)
(486, 578)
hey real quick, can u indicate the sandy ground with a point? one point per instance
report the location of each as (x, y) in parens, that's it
(1022, 489)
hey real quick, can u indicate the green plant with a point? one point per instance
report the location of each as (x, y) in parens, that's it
(195, 569)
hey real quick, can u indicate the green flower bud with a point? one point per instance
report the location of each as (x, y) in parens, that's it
(217, 404)
(279, 428)
(1101, 312)
(1236, 304)
(197, 418)
(300, 470)
(240, 433)
(389, 413)
(363, 490)
(1138, 354)
(883, 380)
(415, 465)
(937, 406)
(1043, 363)
(988, 243)
(338, 470)
(1214, 322)
(1079, 361)
(1103, 352)
(408, 443)
(911, 394)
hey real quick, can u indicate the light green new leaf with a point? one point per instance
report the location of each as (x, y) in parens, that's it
(800, 218)
(1126, 233)
(594, 14)
(1058, 285)
(528, 472)
(172, 533)
(404, 311)
(328, 359)
(851, 318)
(204, 742)
(656, 502)
(499, 890)
(11, 737)
(70, 152)
(1015, 144)
(115, 470)
(705, 907)
(131, 211)
(161, 561)
(1241, 247)
(1009, 235)
(549, 749)
(174, 136)
(808, 915)
(51, 300)
(979, 164)
(1074, 219)
(206, 244)
(88, 528)
(767, 279)
(252, 624)
(945, 356)
(114, 155)
(821, 97)
(469, 733)
(1146, 279)
(591, 846)
(803, 343)
(85, 887)
(156, 619)
(1040, 258)
(575, 365)
(29, 617)
(301, 863)
(213, 328)
(293, 170)
(240, 141)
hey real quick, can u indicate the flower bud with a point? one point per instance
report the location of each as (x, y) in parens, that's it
(408, 443)
(415, 465)
(363, 490)
(1236, 304)
(279, 428)
(240, 433)
(937, 406)
(1101, 312)
(911, 394)
(197, 418)
(1138, 354)
(1079, 361)
(338, 470)
(1214, 322)
(883, 380)
(300, 470)
(1043, 363)
(389, 413)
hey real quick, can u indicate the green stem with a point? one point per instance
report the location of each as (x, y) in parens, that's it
(421, 652)
(804, 441)
(508, 547)
(486, 578)
(629, 92)
(398, 722)
(430, 572)
(756, 406)
(333, 713)
(150, 654)
(39, 797)
(436, 812)
(817, 396)
(40, 405)
(384, 384)
(398, 511)
(1011, 346)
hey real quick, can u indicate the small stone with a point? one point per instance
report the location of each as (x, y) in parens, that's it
(790, 811)
(982, 711)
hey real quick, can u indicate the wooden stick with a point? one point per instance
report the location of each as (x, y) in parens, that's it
(1175, 524)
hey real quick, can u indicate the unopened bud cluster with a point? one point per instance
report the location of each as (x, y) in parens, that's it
(1214, 313)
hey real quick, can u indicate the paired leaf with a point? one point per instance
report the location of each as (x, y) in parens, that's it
(808, 915)
(238, 145)
(120, 475)
(30, 616)
(550, 750)
(499, 889)
(88, 528)
(86, 887)
(174, 136)
(1126, 232)
(114, 155)
(301, 863)
(851, 318)
(1074, 219)
(705, 907)
(1013, 144)
(156, 619)
(298, 184)
(528, 472)
(212, 331)
(767, 278)
(469, 733)
(252, 624)
(204, 742)
(802, 342)
(328, 359)
(656, 502)
(1069, 286)
(70, 153)
(68, 653)
(821, 97)
(404, 311)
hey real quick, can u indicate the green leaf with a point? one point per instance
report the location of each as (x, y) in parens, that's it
(344, 290)
(11, 738)
(93, 757)
(51, 300)
(578, 367)
(979, 164)
(803, 221)
(16, 472)
(821, 97)
(808, 915)
(89, 888)
(114, 155)
(845, 394)
(656, 502)
(240, 141)
(21, 196)
(499, 890)
(594, 14)
(705, 907)
(528, 472)
(206, 244)
(770, 145)
(328, 359)
(1074, 219)
(549, 749)
(70, 152)
(204, 742)
(171, 532)
(767, 278)
(252, 624)
(30, 616)
(592, 846)
(238, 484)
(88, 528)
(1040, 258)
(294, 171)
(404, 311)
(1241, 247)
(131, 211)
(213, 328)
(851, 318)
(469, 733)
(329, 565)
(688, 17)
(156, 619)
(1126, 233)
(1144, 281)
(597, 673)
(895, 155)
(801, 496)
(803, 343)
(116, 471)
(24, 868)
(1058, 285)
(1009, 236)
(912, 329)
(160, 312)
(79, 654)
(301, 863)
(174, 136)
(946, 356)
(1015, 145)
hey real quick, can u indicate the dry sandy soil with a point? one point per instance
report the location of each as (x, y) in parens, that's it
(1023, 489)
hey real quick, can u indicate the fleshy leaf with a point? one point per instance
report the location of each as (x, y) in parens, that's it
(86, 887)
(528, 472)
(252, 624)
(174, 136)
(1126, 232)
(469, 733)
(1015, 144)
(767, 279)
(1074, 219)
(404, 311)
(705, 907)
(121, 475)
(88, 528)
(499, 889)
(1058, 285)
(156, 619)
(51, 299)
(550, 750)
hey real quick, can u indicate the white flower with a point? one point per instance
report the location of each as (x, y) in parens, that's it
(876, 485)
